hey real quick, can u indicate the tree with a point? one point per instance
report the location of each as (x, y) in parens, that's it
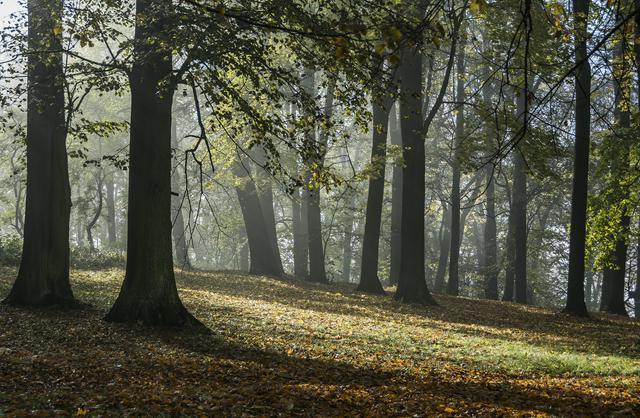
(396, 200)
(369, 281)
(519, 208)
(453, 285)
(43, 277)
(149, 294)
(575, 287)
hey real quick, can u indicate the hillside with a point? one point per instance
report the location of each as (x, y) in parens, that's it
(281, 347)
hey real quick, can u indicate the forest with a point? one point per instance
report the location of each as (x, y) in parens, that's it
(320, 208)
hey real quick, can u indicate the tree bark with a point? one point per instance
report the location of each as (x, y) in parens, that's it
(412, 287)
(110, 203)
(149, 294)
(445, 246)
(519, 208)
(43, 277)
(509, 274)
(575, 286)
(99, 177)
(369, 281)
(178, 229)
(300, 246)
(396, 201)
(263, 259)
(347, 241)
(453, 284)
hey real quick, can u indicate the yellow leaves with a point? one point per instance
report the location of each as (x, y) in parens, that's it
(478, 7)
(82, 412)
(57, 30)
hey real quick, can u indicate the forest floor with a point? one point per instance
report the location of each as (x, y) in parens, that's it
(290, 348)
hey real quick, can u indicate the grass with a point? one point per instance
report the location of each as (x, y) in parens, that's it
(293, 348)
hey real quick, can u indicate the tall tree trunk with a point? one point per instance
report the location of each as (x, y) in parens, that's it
(43, 277)
(453, 284)
(110, 203)
(300, 247)
(445, 246)
(263, 259)
(369, 281)
(490, 262)
(519, 207)
(509, 257)
(92, 223)
(178, 230)
(412, 287)
(575, 287)
(614, 279)
(396, 201)
(347, 242)
(149, 294)
(265, 196)
(317, 272)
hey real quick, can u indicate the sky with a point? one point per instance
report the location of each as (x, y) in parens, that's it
(6, 8)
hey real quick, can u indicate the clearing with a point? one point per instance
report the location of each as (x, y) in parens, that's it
(287, 347)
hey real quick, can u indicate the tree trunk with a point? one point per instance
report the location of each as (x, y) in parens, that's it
(149, 294)
(490, 263)
(265, 196)
(263, 259)
(412, 287)
(615, 278)
(98, 212)
(300, 248)
(369, 281)
(317, 272)
(110, 203)
(347, 242)
(575, 287)
(43, 277)
(509, 274)
(519, 208)
(178, 230)
(396, 201)
(453, 285)
(445, 246)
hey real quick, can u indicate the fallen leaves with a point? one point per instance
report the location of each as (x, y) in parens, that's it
(291, 348)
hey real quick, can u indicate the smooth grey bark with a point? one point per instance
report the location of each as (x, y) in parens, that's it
(575, 287)
(110, 203)
(519, 208)
(178, 231)
(395, 136)
(445, 246)
(300, 240)
(347, 240)
(369, 280)
(509, 257)
(263, 258)
(99, 179)
(149, 294)
(43, 276)
(453, 284)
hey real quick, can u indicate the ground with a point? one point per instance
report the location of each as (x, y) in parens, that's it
(290, 348)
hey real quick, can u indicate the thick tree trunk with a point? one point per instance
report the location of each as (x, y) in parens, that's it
(445, 246)
(149, 294)
(395, 135)
(412, 287)
(519, 208)
(575, 287)
(43, 277)
(453, 284)
(369, 281)
(263, 259)
(265, 196)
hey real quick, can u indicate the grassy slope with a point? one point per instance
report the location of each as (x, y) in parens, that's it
(294, 348)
